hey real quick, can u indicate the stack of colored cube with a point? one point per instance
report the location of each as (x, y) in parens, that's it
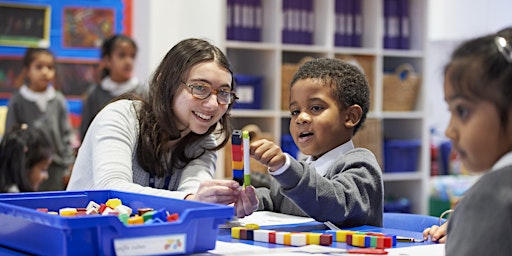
(324, 237)
(238, 155)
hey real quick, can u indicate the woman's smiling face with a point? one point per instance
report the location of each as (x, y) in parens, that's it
(198, 115)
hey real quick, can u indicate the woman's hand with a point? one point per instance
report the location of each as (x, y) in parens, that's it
(247, 202)
(436, 233)
(216, 191)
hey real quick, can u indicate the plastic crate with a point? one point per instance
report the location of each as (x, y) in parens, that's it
(27, 230)
(401, 155)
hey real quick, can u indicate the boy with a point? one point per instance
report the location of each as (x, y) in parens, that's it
(329, 101)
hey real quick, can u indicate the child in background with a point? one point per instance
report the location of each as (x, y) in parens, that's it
(25, 155)
(39, 105)
(478, 89)
(118, 54)
(329, 101)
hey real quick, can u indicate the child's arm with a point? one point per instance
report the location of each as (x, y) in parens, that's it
(349, 194)
(268, 153)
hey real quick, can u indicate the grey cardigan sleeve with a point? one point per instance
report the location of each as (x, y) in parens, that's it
(350, 194)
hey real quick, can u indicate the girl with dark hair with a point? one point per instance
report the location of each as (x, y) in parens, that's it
(478, 89)
(38, 104)
(164, 144)
(25, 155)
(118, 54)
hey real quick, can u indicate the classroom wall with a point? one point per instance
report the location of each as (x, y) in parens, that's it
(160, 24)
(451, 22)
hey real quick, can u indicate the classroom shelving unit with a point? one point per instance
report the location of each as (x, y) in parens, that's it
(265, 59)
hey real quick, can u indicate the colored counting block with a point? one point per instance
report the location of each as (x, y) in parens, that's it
(272, 237)
(348, 238)
(108, 211)
(243, 234)
(388, 242)
(102, 208)
(367, 241)
(67, 211)
(237, 153)
(280, 236)
(393, 238)
(298, 239)
(325, 239)
(357, 240)
(172, 217)
(341, 235)
(313, 238)
(235, 232)
(123, 209)
(252, 226)
(148, 215)
(113, 202)
(373, 241)
(141, 211)
(123, 217)
(261, 235)
(236, 137)
(92, 205)
(238, 165)
(135, 220)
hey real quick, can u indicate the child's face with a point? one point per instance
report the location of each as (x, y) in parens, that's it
(475, 130)
(121, 61)
(198, 115)
(39, 173)
(317, 124)
(41, 72)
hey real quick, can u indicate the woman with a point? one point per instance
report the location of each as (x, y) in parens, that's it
(164, 144)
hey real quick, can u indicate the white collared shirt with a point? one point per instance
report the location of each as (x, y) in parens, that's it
(321, 164)
(505, 160)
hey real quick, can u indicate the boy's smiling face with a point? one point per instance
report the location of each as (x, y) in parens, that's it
(317, 122)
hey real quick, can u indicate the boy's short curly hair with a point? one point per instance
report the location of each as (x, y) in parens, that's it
(348, 82)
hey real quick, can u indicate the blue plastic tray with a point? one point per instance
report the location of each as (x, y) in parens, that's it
(27, 230)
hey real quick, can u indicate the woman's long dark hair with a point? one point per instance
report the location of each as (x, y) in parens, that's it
(156, 116)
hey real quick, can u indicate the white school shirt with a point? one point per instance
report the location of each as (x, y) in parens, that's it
(321, 164)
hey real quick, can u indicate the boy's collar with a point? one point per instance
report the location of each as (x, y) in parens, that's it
(323, 163)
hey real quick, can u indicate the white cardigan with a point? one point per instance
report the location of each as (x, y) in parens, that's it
(107, 158)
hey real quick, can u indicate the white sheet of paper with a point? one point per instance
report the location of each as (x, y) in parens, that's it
(268, 218)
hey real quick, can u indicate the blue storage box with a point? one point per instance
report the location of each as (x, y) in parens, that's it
(249, 89)
(401, 155)
(27, 230)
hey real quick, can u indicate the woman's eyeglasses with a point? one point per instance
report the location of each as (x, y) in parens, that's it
(504, 47)
(202, 91)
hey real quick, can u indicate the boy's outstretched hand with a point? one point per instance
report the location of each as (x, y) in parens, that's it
(246, 202)
(268, 153)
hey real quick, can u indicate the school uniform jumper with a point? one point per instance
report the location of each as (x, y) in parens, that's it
(351, 193)
(107, 158)
(99, 95)
(482, 221)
